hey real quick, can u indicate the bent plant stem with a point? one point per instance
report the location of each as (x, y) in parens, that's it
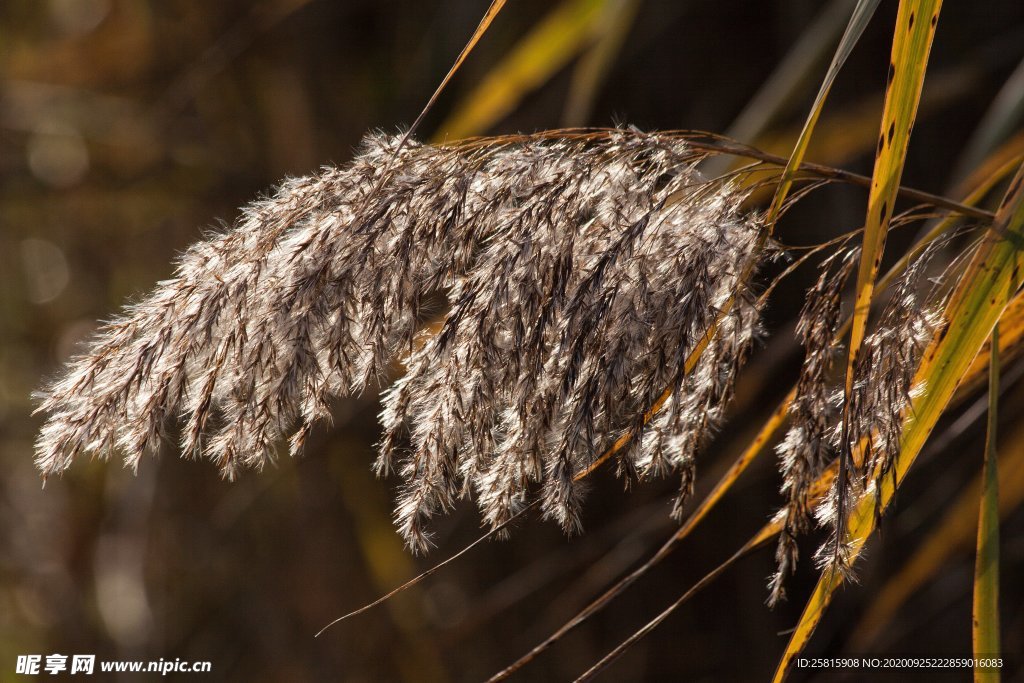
(725, 146)
(765, 534)
(712, 143)
(993, 277)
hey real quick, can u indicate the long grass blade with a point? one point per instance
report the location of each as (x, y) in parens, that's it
(548, 47)
(862, 14)
(985, 623)
(994, 275)
(911, 46)
(847, 134)
(481, 29)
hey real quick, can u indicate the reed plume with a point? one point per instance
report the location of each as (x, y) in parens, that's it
(579, 271)
(807, 448)
(882, 392)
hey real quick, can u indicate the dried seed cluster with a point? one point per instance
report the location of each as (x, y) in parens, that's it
(807, 447)
(579, 273)
(882, 391)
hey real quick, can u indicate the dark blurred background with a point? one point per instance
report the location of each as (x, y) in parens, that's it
(126, 126)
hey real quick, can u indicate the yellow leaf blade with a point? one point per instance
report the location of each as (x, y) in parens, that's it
(911, 47)
(985, 623)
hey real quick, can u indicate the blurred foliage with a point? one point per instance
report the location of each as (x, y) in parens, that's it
(127, 125)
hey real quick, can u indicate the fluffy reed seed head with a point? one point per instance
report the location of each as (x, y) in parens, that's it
(580, 272)
(882, 392)
(807, 447)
